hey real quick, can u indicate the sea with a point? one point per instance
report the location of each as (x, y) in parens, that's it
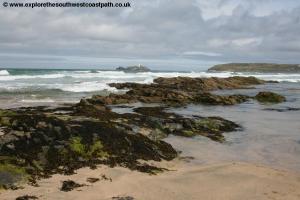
(20, 87)
(270, 133)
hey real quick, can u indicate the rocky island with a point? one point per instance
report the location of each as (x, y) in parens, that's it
(256, 67)
(133, 69)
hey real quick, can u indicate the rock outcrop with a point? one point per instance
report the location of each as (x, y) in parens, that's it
(269, 97)
(180, 91)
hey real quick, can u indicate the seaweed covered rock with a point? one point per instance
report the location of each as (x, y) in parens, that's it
(38, 143)
(69, 185)
(181, 91)
(165, 123)
(188, 84)
(27, 197)
(212, 99)
(269, 97)
(208, 84)
(11, 175)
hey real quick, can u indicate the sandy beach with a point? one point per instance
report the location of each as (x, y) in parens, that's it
(224, 181)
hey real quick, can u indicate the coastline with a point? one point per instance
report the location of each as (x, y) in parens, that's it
(90, 133)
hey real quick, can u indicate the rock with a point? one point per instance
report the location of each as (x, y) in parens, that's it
(283, 109)
(212, 99)
(123, 198)
(26, 197)
(92, 180)
(70, 185)
(170, 123)
(105, 178)
(10, 174)
(269, 97)
(88, 137)
(207, 84)
(187, 84)
(134, 69)
(181, 91)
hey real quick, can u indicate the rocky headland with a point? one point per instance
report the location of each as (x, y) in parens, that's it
(257, 67)
(37, 142)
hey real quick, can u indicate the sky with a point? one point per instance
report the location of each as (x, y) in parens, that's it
(162, 34)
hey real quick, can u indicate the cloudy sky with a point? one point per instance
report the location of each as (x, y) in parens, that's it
(168, 34)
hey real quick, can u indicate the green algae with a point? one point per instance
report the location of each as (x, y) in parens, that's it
(7, 113)
(269, 97)
(188, 133)
(11, 174)
(87, 151)
(5, 121)
(77, 146)
(210, 124)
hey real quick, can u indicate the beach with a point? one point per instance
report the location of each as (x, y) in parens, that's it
(255, 157)
(225, 181)
(150, 100)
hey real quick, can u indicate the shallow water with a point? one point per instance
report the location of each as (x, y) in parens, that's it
(268, 137)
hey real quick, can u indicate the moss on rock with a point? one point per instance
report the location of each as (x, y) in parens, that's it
(269, 97)
(11, 175)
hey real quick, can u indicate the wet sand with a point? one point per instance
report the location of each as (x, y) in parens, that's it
(219, 181)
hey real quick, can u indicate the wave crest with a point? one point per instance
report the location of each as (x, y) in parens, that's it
(4, 73)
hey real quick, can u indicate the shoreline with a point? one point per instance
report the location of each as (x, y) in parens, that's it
(226, 181)
(42, 142)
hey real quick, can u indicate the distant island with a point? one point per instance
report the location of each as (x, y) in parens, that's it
(134, 69)
(257, 67)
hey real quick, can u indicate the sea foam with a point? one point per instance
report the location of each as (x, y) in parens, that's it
(4, 73)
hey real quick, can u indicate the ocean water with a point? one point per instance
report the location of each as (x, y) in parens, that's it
(19, 87)
(269, 137)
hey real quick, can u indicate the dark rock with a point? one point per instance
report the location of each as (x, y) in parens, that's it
(26, 197)
(134, 69)
(269, 97)
(181, 91)
(92, 180)
(105, 178)
(212, 99)
(282, 109)
(70, 185)
(123, 198)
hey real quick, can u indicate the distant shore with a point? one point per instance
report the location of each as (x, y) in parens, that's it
(257, 67)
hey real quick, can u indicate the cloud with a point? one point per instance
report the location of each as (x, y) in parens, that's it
(198, 30)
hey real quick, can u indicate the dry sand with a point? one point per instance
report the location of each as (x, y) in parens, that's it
(240, 181)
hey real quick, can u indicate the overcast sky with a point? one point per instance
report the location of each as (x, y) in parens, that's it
(171, 34)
